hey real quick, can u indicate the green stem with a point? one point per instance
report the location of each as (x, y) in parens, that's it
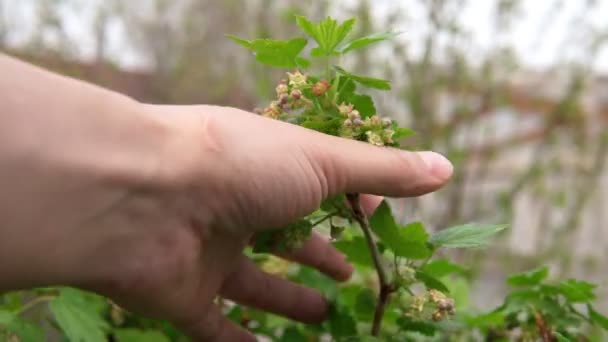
(323, 219)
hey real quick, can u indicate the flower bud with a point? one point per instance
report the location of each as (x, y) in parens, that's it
(283, 98)
(354, 114)
(358, 122)
(387, 135)
(347, 123)
(345, 109)
(320, 88)
(437, 316)
(387, 122)
(282, 89)
(375, 120)
(296, 94)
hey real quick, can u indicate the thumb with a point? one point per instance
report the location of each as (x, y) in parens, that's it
(353, 166)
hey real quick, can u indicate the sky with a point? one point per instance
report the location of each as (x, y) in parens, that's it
(540, 40)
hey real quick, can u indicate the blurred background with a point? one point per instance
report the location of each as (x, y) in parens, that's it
(514, 92)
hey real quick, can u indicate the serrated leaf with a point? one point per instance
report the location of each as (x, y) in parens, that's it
(136, 335)
(369, 82)
(276, 53)
(431, 282)
(465, 236)
(364, 104)
(530, 278)
(577, 291)
(356, 251)
(421, 327)
(597, 317)
(408, 242)
(441, 268)
(363, 42)
(327, 34)
(242, 42)
(77, 317)
(365, 304)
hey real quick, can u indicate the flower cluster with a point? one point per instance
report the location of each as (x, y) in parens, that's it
(289, 96)
(432, 304)
(375, 130)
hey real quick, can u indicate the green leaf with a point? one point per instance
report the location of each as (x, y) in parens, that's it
(364, 104)
(441, 268)
(6, 317)
(529, 278)
(276, 53)
(362, 42)
(401, 132)
(408, 242)
(293, 334)
(356, 251)
(136, 335)
(333, 203)
(327, 33)
(561, 338)
(369, 82)
(26, 331)
(597, 317)
(346, 89)
(465, 236)
(421, 327)
(431, 282)
(487, 320)
(577, 291)
(365, 304)
(341, 323)
(78, 317)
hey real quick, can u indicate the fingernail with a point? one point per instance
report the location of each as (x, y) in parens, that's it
(437, 164)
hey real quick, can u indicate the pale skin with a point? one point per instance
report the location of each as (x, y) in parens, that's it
(153, 205)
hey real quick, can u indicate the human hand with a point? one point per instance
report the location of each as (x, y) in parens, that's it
(225, 175)
(152, 206)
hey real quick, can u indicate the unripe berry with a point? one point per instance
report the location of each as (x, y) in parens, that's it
(320, 88)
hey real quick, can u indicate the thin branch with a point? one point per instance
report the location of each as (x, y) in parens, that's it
(385, 287)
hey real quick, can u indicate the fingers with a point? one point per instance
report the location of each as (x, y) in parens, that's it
(214, 326)
(248, 285)
(353, 166)
(318, 252)
(370, 203)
